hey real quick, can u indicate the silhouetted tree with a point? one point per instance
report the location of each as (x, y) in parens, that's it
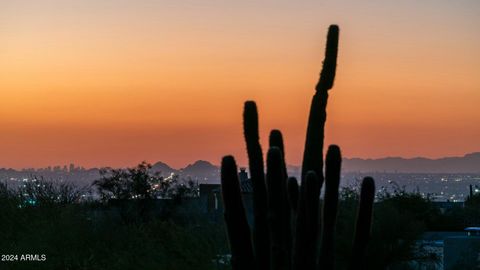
(41, 192)
(141, 182)
(131, 183)
(133, 189)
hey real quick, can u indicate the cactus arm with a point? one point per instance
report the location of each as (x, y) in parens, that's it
(292, 187)
(333, 164)
(307, 224)
(255, 159)
(235, 218)
(312, 157)
(363, 224)
(327, 76)
(276, 141)
(292, 193)
(313, 153)
(278, 211)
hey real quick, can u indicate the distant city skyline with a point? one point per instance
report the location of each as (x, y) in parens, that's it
(112, 83)
(447, 179)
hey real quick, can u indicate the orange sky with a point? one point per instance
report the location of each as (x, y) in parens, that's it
(117, 82)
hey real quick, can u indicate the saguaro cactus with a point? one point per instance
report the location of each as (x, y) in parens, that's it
(235, 219)
(287, 225)
(255, 159)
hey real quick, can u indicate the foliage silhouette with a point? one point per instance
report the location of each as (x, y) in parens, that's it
(286, 217)
(39, 191)
(138, 193)
(84, 236)
(141, 183)
(400, 219)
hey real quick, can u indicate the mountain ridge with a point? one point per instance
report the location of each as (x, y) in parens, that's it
(468, 163)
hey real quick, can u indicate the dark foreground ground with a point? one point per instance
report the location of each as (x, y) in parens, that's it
(62, 235)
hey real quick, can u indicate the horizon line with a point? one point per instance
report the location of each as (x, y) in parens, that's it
(217, 165)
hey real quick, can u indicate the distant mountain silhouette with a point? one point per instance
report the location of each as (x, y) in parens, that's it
(163, 168)
(205, 172)
(470, 163)
(201, 170)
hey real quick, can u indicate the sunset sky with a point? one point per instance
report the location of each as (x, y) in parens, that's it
(98, 82)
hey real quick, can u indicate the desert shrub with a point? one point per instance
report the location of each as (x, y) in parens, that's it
(400, 219)
(76, 235)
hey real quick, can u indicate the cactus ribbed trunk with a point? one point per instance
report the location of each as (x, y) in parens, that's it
(276, 141)
(255, 158)
(293, 194)
(278, 214)
(305, 246)
(363, 224)
(313, 153)
(235, 218)
(333, 164)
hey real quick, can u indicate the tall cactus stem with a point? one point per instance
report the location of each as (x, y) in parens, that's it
(363, 225)
(276, 141)
(333, 164)
(307, 224)
(313, 153)
(293, 193)
(235, 219)
(278, 215)
(255, 157)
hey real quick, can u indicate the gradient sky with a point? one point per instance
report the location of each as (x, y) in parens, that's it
(99, 82)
